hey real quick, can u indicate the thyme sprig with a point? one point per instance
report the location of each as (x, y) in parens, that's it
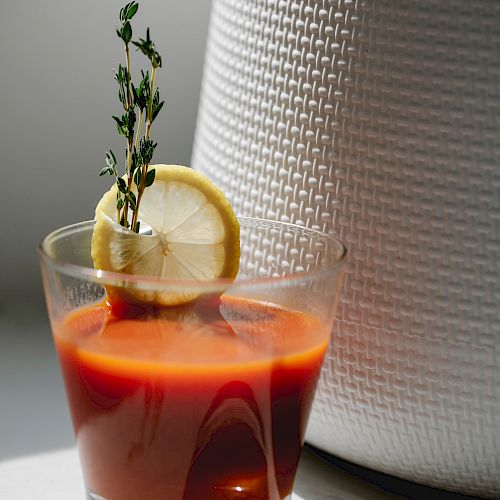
(140, 104)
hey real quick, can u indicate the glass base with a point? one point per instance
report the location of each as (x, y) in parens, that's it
(93, 496)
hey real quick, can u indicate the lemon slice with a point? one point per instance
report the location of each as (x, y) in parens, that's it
(194, 235)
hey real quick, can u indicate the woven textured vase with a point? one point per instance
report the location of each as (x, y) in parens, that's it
(379, 122)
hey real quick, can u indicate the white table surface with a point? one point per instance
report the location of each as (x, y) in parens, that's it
(56, 476)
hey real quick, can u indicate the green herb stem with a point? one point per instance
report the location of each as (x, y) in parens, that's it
(129, 88)
(140, 190)
(138, 131)
(149, 123)
(150, 103)
(129, 141)
(129, 181)
(143, 97)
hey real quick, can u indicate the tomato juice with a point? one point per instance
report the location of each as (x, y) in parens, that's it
(201, 402)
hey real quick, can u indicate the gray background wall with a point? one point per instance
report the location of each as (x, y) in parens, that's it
(57, 96)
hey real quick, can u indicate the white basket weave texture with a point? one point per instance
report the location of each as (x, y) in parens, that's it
(378, 121)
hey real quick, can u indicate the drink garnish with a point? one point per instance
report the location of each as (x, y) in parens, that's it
(164, 221)
(140, 103)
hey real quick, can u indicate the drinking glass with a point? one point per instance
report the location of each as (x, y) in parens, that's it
(206, 400)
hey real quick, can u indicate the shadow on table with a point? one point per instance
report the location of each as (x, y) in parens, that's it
(318, 479)
(392, 486)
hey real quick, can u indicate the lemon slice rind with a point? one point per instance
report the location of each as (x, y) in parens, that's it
(194, 236)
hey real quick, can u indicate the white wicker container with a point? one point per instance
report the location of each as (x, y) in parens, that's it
(379, 121)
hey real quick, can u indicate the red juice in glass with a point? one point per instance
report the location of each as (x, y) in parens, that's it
(207, 401)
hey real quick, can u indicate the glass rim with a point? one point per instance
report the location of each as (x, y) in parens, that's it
(111, 277)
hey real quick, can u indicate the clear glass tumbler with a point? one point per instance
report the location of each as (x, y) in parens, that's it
(208, 400)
